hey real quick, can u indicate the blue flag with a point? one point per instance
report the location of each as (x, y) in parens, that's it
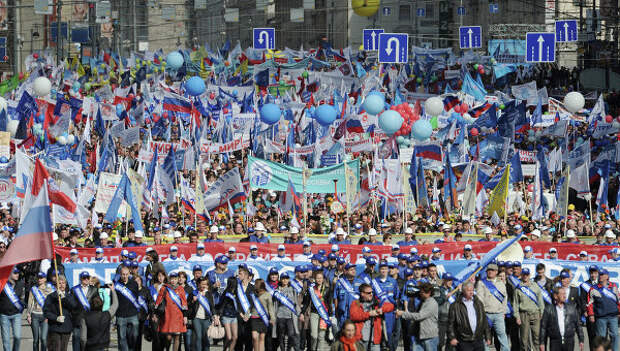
(123, 192)
(516, 173)
(170, 167)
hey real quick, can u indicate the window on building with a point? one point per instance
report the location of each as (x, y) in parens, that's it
(3, 56)
(404, 13)
(430, 10)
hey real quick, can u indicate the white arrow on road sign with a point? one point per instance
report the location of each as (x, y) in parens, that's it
(260, 36)
(566, 30)
(373, 35)
(470, 32)
(389, 49)
(540, 47)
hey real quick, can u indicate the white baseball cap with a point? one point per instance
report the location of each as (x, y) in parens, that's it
(232, 249)
(583, 253)
(570, 233)
(103, 235)
(213, 229)
(260, 227)
(139, 234)
(253, 247)
(553, 249)
(173, 248)
(341, 231)
(281, 247)
(610, 234)
(294, 230)
(467, 247)
(536, 233)
(488, 230)
(73, 252)
(335, 247)
(177, 234)
(527, 249)
(408, 231)
(413, 251)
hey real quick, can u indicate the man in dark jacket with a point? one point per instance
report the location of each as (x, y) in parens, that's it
(11, 308)
(127, 315)
(81, 293)
(559, 323)
(468, 325)
(60, 325)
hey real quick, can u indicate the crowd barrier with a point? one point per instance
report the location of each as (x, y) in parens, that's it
(106, 271)
(352, 253)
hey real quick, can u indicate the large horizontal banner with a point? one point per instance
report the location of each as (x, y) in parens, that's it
(352, 253)
(106, 271)
(264, 174)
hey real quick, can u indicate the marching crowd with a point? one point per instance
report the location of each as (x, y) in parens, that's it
(326, 303)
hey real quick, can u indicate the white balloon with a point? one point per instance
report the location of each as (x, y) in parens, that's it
(70, 139)
(3, 103)
(574, 101)
(615, 124)
(433, 106)
(12, 127)
(42, 86)
(62, 140)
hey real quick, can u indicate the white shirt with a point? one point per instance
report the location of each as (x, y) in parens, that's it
(280, 259)
(254, 259)
(303, 257)
(102, 260)
(171, 259)
(204, 258)
(471, 314)
(560, 311)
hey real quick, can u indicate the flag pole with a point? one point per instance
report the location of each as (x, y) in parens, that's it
(56, 272)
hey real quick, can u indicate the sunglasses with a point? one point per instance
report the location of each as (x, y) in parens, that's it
(367, 292)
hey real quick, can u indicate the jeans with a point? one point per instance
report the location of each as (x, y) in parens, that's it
(429, 344)
(39, 332)
(200, 330)
(127, 329)
(6, 324)
(58, 342)
(286, 329)
(497, 321)
(75, 339)
(187, 339)
(603, 326)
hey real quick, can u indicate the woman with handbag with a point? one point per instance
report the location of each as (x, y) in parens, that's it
(189, 291)
(227, 310)
(201, 310)
(174, 321)
(258, 325)
(318, 327)
(157, 313)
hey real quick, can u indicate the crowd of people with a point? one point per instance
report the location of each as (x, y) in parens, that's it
(325, 304)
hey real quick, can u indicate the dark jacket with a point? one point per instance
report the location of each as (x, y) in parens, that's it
(549, 327)
(125, 307)
(193, 305)
(458, 322)
(78, 310)
(575, 299)
(327, 296)
(51, 312)
(95, 327)
(6, 306)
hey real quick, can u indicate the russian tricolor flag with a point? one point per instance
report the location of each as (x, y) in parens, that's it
(354, 126)
(450, 101)
(34, 238)
(479, 110)
(177, 103)
(430, 151)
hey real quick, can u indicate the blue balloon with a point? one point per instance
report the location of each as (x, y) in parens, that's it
(390, 121)
(119, 109)
(3, 159)
(326, 114)
(195, 86)
(373, 104)
(235, 93)
(53, 92)
(422, 130)
(174, 60)
(400, 140)
(270, 113)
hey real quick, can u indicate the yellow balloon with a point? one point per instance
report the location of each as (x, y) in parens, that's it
(365, 8)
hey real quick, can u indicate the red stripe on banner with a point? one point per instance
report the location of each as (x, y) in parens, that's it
(449, 251)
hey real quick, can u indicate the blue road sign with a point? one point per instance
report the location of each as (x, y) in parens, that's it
(393, 48)
(540, 47)
(460, 11)
(264, 38)
(566, 31)
(371, 39)
(470, 37)
(387, 11)
(421, 12)
(493, 8)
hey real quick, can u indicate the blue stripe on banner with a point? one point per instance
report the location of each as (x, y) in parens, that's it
(37, 223)
(107, 271)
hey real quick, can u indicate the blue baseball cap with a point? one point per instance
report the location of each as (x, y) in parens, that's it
(83, 275)
(525, 271)
(284, 275)
(391, 265)
(321, 252)
(40, 275)
(593, 268)
(340, 260)
(197, 268)
(371, 261)
(418, 266)
(332, 256)
(300, 268)
(603, 271)
(349, 266)
(564, 274)
(447, 276)
(132, 255)
(221, 259)
(383, 264)
(322, 258)
(516, 264)
(408, 272)
(127, 263)
(173, 274)
(424, 264)
(134, 264)
(401, 256)
(273, 270)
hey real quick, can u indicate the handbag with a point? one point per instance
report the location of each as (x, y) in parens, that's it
(160, 310)
(216, 332)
